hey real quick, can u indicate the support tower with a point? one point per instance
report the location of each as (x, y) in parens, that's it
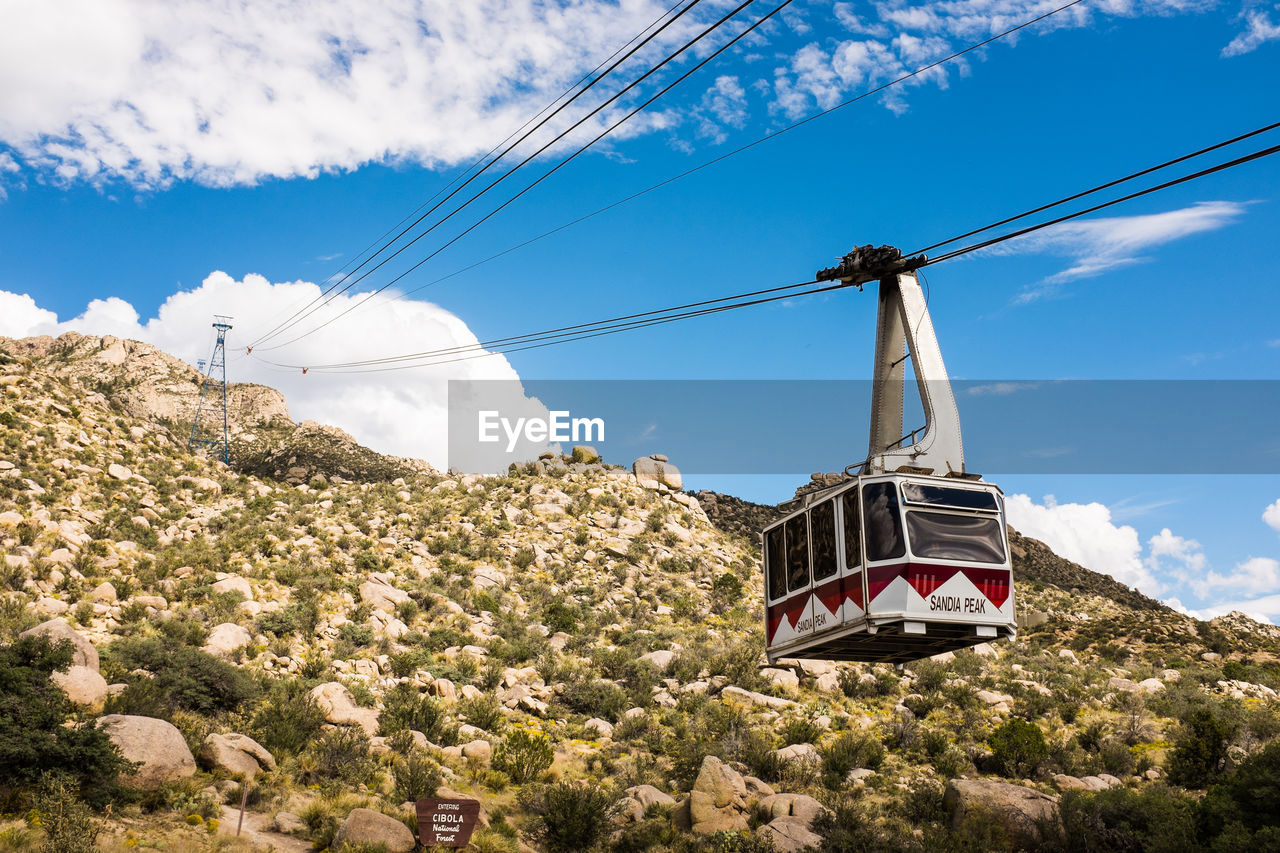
(210, 428)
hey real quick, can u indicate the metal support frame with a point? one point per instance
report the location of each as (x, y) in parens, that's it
(903, 329)
(209, 415)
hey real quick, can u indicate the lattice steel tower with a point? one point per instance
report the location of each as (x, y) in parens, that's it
(210, 425)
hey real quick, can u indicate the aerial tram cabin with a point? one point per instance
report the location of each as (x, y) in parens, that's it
(909, 555)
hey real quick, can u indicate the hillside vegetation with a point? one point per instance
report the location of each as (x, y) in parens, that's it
(581, 653)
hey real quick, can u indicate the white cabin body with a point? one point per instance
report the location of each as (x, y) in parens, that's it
(889, 568)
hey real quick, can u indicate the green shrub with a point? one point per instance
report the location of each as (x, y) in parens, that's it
(568, 817)
(34, 737)
(183, 677)
(559, 616)
(416, 776)
(288, 720)
(69, 824)
(1122, 819)
(484, 712)
(405, 709)
(524, 755)
(523, 558)
(851, 750)
(800, 730)
(1248, 798)
(1018, 749)
(340, 754)
(1200, 753)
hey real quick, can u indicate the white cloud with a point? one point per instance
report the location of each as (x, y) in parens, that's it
(1186, 552)
(1085, 534)
(1096, 246)
(1255, 575)
(1271, 515)
(403, 412)
(230, 93)
(1258, 31)
(913, 34)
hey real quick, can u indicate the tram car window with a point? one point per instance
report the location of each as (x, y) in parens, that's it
(940, 536)
(775, 558)
(883, 522)
(797, 553)
(822, 520)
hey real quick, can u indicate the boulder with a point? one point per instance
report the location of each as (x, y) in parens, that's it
(661, 659)
(367, 828)
(584, 453)
(789, 835)
(382, 596)
(804, 752)
(58, 629)
(601, 727)
(647, 795)
(733, 693)
(226, 638)
(717, 802)
(236, 754)
(652, 473)
(234, 583)
(340, 707)
(156, 745)
(784, 678)
(799, 806)
(1017, 810)
(104, 591)
(83, 686)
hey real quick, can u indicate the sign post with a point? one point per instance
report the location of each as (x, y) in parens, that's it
(446, 823)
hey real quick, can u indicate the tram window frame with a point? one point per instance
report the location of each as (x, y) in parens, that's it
(852, 529)
(874, 535)
(776, 561)
(922, 530)
(794, 567)
(819, 549)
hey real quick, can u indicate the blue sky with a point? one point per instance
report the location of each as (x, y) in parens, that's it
(159, 161)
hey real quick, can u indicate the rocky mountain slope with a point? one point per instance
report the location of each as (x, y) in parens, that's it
(577, 648)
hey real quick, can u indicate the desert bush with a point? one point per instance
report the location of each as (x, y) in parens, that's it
(800, 730)
(559, 616)
(415, 776)
(850, 751)
(1245, 806)
(340, 754)
(595, 697)
(568, 817)
(182, 677)
(1154, 819)
(1200, 753)
(288, 720)
(69, 824)
(483, 711)
(1018, 749)
(523, 755)
(882, 683)
(35, 737)
(404, 708)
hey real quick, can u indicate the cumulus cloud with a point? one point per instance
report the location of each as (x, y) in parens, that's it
(231, 93)
(1271, 515)
(906, 36)
(1258, 31)
(1085, 534)
(1095, 246)
(403, 413)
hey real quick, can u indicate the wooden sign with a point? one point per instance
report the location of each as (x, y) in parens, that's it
(446, 823)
